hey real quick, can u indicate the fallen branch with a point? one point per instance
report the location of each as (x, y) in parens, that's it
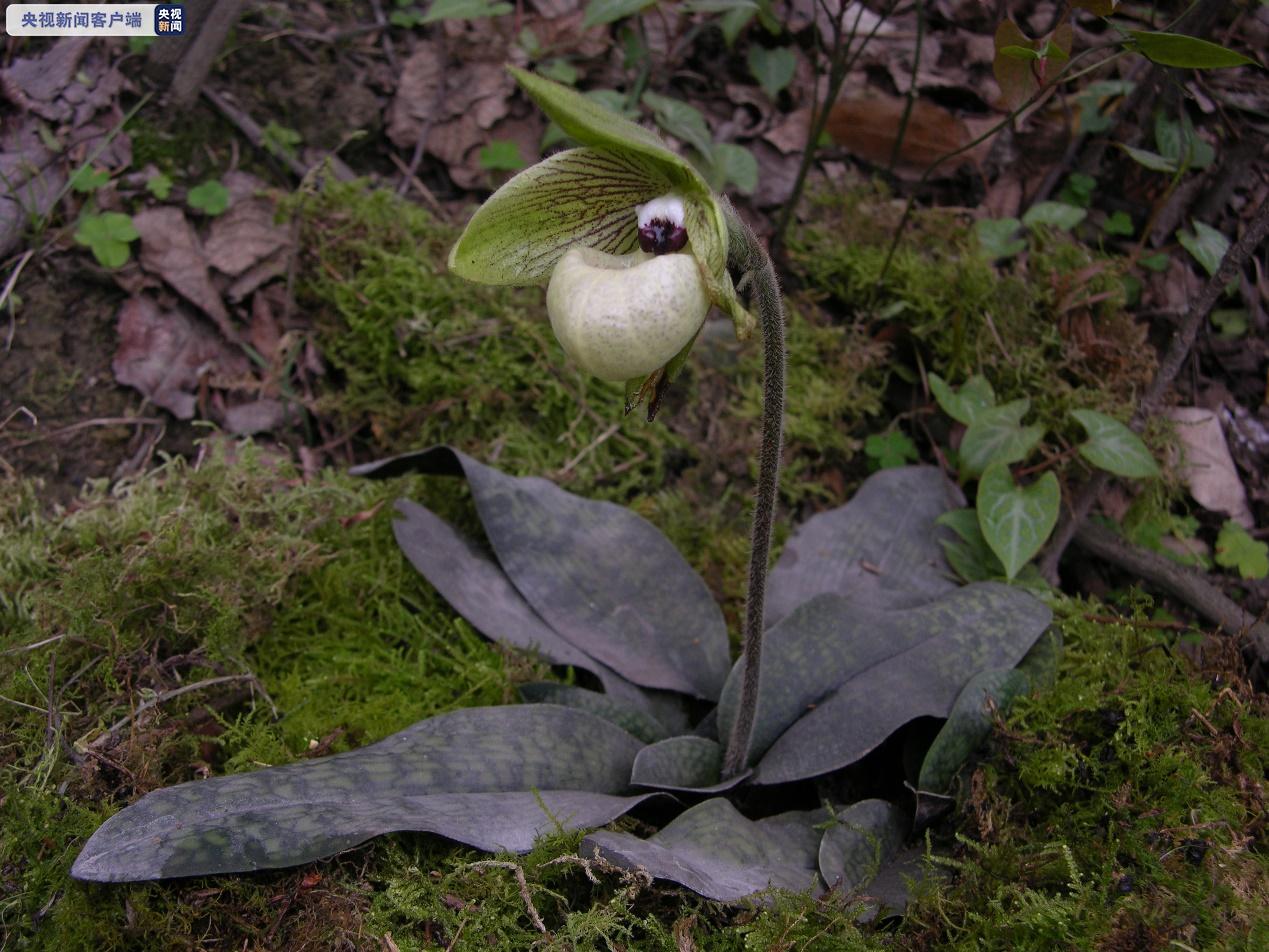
(1183, 583)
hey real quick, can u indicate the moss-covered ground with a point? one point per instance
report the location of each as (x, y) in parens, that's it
(216, 615)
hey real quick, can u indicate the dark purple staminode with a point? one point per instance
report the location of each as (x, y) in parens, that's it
(660, 236)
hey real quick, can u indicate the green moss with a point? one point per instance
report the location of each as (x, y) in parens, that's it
(422, 357)
(1050, 327)
(1116, 807)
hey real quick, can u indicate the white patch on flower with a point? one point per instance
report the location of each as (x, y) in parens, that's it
(666, 208)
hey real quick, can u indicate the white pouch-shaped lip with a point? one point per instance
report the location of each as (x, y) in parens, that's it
(624, 316)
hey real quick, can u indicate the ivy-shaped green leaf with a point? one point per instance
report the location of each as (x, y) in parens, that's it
(1113, 447)
(966, 404)
(681, 121)
(1206, 244)
(1059, 215)
(997, 435)
(1016, 520)
(773, 67)
(997, 237)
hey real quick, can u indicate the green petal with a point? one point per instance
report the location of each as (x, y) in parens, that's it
(592, 125)
(579, 197)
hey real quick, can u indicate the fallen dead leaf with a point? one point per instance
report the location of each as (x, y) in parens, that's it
(258, 416)
(170, 248)
(867, 128)
(244, 235)
(35, 84)
(165, 354)
(1207, 467)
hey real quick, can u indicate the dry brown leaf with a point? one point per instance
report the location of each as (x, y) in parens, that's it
(867, 128)
(1207, 468)
(170, 248)
(258, 416)
(418, 95)
(244, 236)
(165, 355)
(36, 84)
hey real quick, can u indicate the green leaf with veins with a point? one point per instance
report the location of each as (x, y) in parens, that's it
(964, 405)
(773, 67)
(1113, 447)
(736, 165)
(1016, 520)
(997, 436)
(681, 121)
(589, 123)
(1206, 244)
(997, 237)
(578, 197)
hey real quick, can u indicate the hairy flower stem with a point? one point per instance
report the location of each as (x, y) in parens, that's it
(748, 258)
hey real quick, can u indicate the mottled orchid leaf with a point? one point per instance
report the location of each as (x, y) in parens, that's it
(839, 677)
(603, 578)
(968, 724)
(881, 549)
(477, 588)
(715, 851)
(495, 778)
(593, 125)
(859, 844)
(630, 719)
(583, 197)
(970, 720)
(688, 763)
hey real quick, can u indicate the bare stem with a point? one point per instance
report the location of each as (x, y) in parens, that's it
(747, 256)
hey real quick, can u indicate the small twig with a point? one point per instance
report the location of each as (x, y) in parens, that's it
(158, 699)
(33, 645)
(453, 943)
(29, 707)
(251, 129)
(588, 449)
(520, 881)
(4, 296)
(84, 425)
(389, 51)
(1231, 266)
(1186, 584)
(425, 193)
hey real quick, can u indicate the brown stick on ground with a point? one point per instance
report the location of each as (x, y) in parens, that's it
(1182, 343)
(190, 57)
(1186, 584)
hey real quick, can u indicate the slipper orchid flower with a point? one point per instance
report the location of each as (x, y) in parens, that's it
(628, 236)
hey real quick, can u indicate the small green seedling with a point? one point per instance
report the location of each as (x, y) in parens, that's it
(210, 198)
(1236, 549)
(108, 235)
